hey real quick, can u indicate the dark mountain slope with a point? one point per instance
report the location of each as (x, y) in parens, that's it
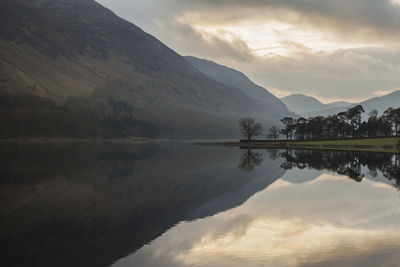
(238, 80)
(104, 76)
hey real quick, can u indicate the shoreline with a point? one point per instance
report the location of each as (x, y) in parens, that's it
(381, 144)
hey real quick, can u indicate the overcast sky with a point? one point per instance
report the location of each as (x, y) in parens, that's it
(330, 49)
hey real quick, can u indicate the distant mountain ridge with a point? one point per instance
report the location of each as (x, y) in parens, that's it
(303, 104)
(338, 104)
(381, 103)
(73, 68)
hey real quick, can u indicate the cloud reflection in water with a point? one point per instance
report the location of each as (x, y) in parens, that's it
(330, 220)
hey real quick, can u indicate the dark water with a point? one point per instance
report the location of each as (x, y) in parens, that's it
(183, 205)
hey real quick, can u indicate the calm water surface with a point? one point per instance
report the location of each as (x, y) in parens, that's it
(168, 204)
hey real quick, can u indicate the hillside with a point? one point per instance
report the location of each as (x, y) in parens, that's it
(73, 68)
(383, 102)
(238, 80)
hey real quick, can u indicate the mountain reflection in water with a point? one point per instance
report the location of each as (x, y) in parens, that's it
(171, 204)
(314, 215)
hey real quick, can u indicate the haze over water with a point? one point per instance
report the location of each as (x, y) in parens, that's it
(168, 204)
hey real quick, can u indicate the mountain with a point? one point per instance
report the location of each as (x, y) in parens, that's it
(301, 103)
(379, 103)
(382, 103)
(308, 106)
(338, 104)
(73, 68)
(238, 80)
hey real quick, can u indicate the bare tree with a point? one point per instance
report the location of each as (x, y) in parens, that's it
(249, 128)
(273, 133)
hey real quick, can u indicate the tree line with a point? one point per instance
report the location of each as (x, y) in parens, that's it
(346, 124)
(34, 116)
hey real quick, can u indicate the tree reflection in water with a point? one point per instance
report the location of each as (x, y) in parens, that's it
(348, 163)
(249, 159)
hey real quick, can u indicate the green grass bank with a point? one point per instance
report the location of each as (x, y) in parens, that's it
(386, 144)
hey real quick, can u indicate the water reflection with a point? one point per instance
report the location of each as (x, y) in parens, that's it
(250, 159)
(182, 205)
(91, 204)
(312, 216)
(352, 164)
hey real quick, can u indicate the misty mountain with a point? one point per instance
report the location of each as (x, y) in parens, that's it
(379, 103)
(238, 80)
(338, 104)
(302, 104)
(73, 68)
(382, 103)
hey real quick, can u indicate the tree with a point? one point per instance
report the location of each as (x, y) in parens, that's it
(384, 127)
(372, 124)
(332, 126)
(347, 124)
(373, 113)
(301, 128)
(396, 120)
(354, 117)
(387, 117)
(273, 133)
(342, 124)
(288, 131)
(249, 128)
(316, 127)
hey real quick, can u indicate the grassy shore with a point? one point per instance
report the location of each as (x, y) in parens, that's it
(387, 144)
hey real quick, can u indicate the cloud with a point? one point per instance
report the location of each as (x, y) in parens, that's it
(353, 19)
(331, 49)
(207, 44)
(344, 74)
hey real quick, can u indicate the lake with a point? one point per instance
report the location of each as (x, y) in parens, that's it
(176, 204)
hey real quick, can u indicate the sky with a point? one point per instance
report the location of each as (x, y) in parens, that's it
(330, 49)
